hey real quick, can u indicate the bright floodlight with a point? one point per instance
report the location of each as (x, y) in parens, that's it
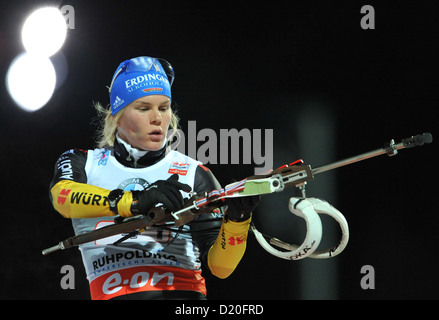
(44, 31)
(31, 81)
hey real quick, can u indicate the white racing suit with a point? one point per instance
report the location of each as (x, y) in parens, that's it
(158, 259)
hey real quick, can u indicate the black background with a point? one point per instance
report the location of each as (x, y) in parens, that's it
(244, 65)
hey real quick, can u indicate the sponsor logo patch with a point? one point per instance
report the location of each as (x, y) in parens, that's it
(179, 168)
(153, 90)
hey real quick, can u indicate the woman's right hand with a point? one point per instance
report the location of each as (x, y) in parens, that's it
(166, 192)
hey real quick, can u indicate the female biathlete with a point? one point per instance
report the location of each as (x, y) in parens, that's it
(133, 170)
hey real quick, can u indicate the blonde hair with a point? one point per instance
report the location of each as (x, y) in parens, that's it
(107, 125)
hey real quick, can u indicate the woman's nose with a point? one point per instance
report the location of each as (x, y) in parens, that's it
(156, 117)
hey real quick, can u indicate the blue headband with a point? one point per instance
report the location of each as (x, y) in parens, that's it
(139, 77)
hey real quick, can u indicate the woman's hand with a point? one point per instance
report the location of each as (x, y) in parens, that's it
(166, 192)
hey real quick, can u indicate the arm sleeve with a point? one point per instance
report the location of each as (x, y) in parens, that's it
(72, 197)
(222, 247)
(229, 248)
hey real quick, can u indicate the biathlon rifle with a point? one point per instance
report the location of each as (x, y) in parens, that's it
(295, 174)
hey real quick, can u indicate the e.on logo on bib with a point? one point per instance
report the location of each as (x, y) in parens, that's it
(128, 281)
(137, 279)
(179, 168)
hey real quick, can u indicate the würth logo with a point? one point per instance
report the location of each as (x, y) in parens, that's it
(62, 196)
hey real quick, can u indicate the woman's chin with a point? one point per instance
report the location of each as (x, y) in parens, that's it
(153, 145)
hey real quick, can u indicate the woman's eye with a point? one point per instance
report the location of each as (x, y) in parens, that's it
(147, 108)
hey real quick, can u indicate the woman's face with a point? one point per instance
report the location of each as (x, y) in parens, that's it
(145, 122)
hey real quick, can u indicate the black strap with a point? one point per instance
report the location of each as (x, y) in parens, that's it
(113, 199)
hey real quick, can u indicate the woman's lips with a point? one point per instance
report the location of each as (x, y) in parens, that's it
(156, 136)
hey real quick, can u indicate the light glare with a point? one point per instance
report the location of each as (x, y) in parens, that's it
(31, 81)
(44, 31)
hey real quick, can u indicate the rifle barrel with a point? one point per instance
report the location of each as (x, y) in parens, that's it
(389, 148)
